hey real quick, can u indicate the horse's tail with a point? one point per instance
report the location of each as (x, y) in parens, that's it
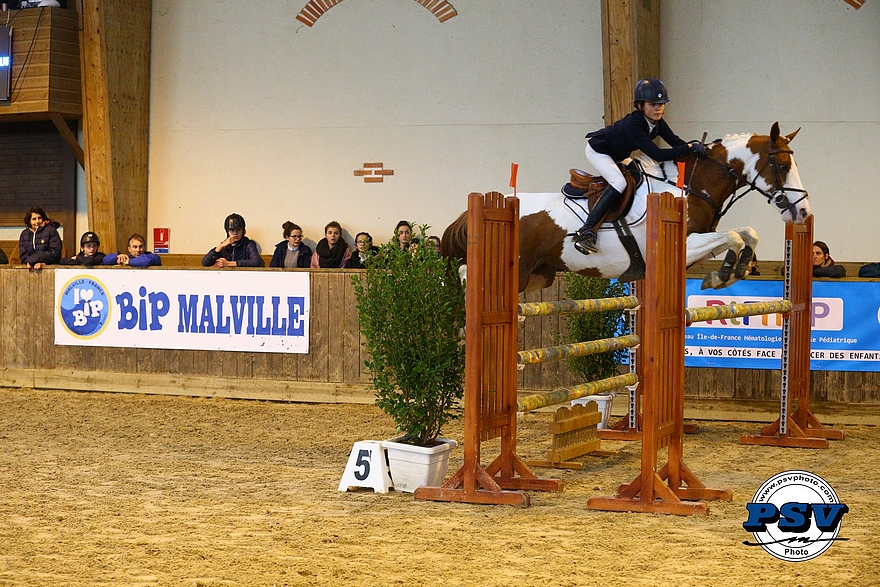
(454, 242)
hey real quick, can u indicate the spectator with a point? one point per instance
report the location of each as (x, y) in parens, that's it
(433, 242)
(292, 251)
(236, 250)
(753, 266)
(403, 234)
(823, 264)
(89, 255)
(39, 243)
(332, 250)
(363, 244)
(137, 255)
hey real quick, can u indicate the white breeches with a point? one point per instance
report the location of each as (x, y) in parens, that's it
(607, 168)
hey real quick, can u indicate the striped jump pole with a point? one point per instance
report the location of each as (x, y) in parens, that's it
(578, 306)
(558, 396)
(576, 349)
(725, 311)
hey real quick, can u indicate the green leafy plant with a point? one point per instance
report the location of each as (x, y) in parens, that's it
(411, 309)
(594, 326)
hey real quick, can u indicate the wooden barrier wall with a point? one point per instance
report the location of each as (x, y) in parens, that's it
(332, 372)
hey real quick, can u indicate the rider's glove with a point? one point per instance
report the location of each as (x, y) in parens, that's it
(698, 148)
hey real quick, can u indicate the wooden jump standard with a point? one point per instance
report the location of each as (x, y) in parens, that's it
(491, 331)
(796, 425)
(673, 488)
(490, 381)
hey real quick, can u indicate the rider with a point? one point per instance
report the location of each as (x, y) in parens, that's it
(612, 144)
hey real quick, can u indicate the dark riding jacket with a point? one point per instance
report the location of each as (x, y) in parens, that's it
(630, 133)
(244, 253)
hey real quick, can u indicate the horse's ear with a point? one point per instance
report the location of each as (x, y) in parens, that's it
(791, 136)
(774, 133)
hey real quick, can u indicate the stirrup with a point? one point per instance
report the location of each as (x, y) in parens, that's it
(585, 243)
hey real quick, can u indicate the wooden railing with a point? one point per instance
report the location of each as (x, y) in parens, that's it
(333, 371)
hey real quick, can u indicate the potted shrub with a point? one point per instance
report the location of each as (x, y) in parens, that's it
(412, 310)
(595, 326)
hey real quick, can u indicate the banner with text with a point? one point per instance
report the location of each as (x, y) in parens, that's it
(193, 310)
(845, 327)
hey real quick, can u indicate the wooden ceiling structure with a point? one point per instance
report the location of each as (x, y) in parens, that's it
(114, 59)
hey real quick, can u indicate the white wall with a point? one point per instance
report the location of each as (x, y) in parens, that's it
(253, 112)
(740, 65)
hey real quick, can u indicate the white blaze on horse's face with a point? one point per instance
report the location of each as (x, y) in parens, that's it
(769, 166)
(803, 207)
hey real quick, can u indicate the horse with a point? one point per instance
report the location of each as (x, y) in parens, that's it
(761, 163)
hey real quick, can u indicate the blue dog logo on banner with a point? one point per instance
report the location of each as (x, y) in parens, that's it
(84, 307)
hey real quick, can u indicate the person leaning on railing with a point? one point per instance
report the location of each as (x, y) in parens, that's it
(39, 243)
(823, 264)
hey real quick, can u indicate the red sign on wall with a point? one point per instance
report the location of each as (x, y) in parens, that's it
(161, 239)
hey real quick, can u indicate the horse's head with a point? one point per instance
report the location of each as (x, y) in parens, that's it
(766, 164)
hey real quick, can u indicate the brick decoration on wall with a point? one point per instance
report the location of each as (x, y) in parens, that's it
(312, 11)
(373, 173)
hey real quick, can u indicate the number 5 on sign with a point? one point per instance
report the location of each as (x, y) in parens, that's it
(367, 467)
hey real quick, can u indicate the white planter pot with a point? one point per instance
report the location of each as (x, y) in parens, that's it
(416, 466)
(604, 401)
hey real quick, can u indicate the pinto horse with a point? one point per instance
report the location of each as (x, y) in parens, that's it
(733, 167)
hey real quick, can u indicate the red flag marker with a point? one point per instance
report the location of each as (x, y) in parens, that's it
(514, 167)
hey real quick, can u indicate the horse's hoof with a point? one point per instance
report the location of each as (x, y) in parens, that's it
(712, 281)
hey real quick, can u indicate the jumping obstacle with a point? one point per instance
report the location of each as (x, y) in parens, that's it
(490, 381)
(573, 433)
(673, 488)
(491, 358)
(796, 425)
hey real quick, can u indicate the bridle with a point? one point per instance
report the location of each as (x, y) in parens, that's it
(777, 196)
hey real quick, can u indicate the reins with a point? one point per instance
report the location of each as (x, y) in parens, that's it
(778, 196)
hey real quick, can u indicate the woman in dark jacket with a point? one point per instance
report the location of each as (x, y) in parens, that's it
(823, 264)
(292, 251)
(39, 243)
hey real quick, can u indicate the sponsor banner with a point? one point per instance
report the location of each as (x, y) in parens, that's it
(193, 310)
(845, 327)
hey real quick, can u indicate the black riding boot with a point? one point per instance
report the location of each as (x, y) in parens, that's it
(585, 238)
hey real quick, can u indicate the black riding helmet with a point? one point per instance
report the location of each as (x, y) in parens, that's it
(89, 237)
(650, 90)
(233, 222)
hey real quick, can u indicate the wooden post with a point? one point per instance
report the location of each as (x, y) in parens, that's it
(630, 51)
(115, 64)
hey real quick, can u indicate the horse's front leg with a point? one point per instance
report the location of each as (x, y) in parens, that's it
(750, 243)
(736, 245)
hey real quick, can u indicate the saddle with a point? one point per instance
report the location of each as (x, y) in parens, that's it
(584, 185)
